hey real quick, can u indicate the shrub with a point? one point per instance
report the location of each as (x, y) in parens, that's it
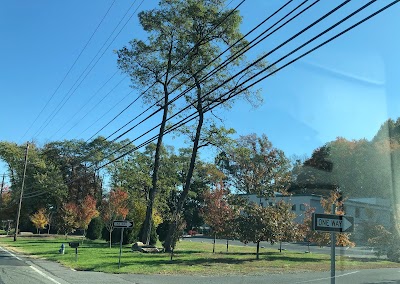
(95, 229)
(153, 234)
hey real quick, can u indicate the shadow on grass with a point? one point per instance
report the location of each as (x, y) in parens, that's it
(216, 260)
(58, 242)
(188, 252)
(155, 263)
(365, 259)
(279, 256)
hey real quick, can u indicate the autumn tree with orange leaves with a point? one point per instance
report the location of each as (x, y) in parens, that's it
(321, 238)
(73, 216)
(219, 214)
(86, 212)
(114, 207)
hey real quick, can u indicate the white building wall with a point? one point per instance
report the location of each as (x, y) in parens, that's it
(363, 210)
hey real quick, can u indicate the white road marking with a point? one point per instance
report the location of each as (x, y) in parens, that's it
(10, 253)
(309, 281)
(34, 268)
(44, 275)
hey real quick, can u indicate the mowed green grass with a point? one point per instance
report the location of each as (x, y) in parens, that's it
(189, 258)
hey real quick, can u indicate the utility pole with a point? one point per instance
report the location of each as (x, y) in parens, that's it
(22, 192)
(1, 190)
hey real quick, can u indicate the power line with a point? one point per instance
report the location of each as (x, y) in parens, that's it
(104, 114)
(69, 70)
(95, 106)
(232, 77)
(69, 94)
(130, 129)
(197, 43)
(276, 70)
(191, 117)
(154, 83)
(226, 81)
(85, 104)
(35, 194)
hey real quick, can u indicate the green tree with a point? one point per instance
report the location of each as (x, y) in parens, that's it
(134, 173)
(256, 224)
(44, 185)
(95, 228)
(74, 158)
(207, 29)
(177, 26)
(156, 60)
(254, 166)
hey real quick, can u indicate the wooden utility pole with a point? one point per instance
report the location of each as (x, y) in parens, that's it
(22, 192)
(1, 190)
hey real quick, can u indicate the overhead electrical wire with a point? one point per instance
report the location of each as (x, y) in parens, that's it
(95, 106)
(186, 120)
(213, 72)
(69, 70)
(220, 101)
(186, 53)
(85, 104)
(143, 120)
(34, 194)
(71, 91)
(107, 112)
(154, 83)
(227, 80)
(189, 118)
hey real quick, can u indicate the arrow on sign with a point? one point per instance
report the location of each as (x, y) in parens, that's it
(347, 224)
(333, 223)
(123, 224)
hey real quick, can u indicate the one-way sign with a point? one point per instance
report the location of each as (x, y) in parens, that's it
(123, 224)
(332, 223)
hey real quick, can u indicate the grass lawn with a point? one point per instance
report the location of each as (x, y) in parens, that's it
(189, 258)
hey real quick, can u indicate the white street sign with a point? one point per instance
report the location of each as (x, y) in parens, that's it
(333, 223)
(123, 224)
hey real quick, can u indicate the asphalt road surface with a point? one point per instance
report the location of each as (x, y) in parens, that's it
(14, 270)
(360, 252)
(17, 269)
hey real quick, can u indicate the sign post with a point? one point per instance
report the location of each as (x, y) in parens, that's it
(334, 224)
(122, 224)
(333, 252)
(120, 248)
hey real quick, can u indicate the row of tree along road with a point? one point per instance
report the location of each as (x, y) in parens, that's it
(77, 184)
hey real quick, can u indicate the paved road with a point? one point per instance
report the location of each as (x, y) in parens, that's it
(14, 270)
(360, 252)
(22, 270)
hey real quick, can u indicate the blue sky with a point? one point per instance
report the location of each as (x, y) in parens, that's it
(347, 88)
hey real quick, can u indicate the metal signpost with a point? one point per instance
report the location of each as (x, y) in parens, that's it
(122, 224)
(334, 224)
